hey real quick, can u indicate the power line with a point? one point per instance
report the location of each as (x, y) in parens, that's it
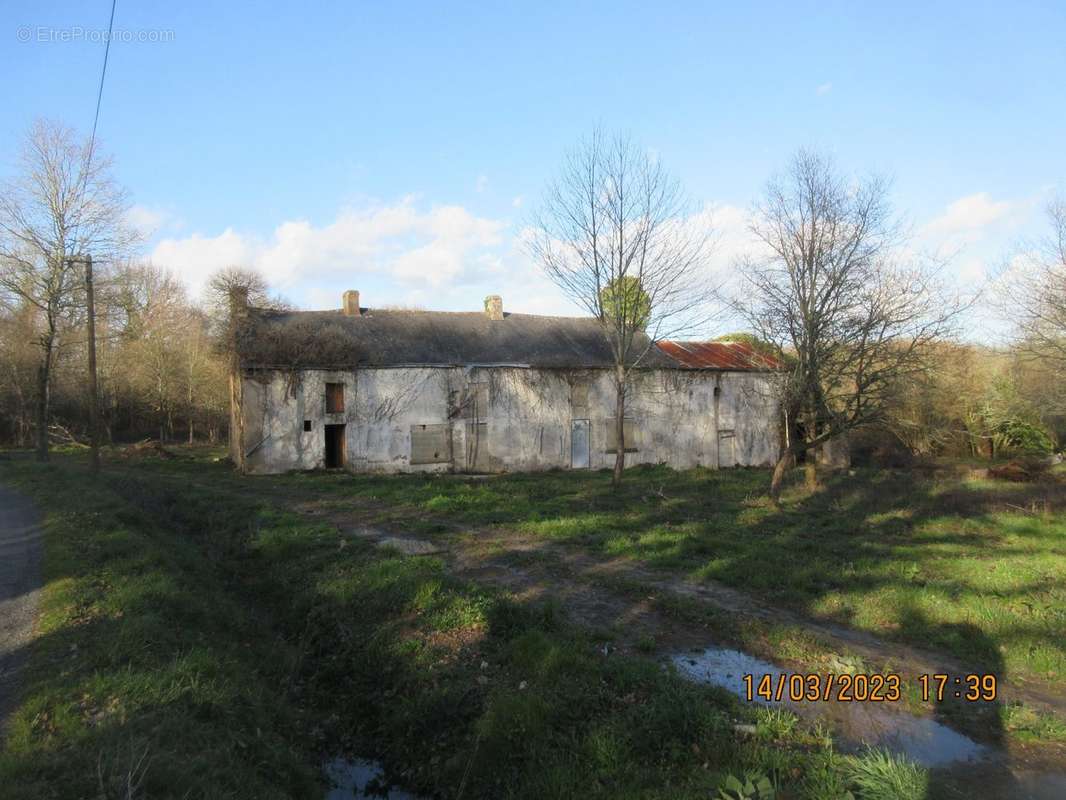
(103, 74)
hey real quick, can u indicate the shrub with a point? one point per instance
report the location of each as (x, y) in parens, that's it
(1023, 437)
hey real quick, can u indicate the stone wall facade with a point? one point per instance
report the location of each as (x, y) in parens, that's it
(501, 419)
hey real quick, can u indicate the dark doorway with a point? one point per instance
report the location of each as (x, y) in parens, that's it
(334, 446)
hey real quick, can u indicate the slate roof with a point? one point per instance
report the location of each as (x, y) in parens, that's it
(392, 338)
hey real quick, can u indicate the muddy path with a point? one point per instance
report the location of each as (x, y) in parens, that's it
(21, 545)
(598, 592)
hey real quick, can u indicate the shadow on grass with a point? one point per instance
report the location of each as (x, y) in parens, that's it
(146, 677)
(195, 644)
(859, 552)
(265, 637)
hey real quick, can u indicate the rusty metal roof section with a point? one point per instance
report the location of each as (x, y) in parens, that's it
(719, 355)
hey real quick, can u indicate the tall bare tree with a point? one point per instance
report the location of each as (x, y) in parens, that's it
(164, 326)
(834, 287)
(615, 235)
(1036, 293)
(63, 203)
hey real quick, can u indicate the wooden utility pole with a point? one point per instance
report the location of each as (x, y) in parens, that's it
(94, 440)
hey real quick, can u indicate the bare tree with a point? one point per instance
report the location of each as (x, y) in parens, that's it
(834, 287)
(217, 294)
(614, 234)
(18, 365)
(1036, 293)
(63, 203)
(164, 325)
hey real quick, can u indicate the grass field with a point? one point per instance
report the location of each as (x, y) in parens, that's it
(975, 568)
(970, 567)
(198, 640)
(198, 644)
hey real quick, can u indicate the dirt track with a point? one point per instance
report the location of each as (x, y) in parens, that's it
(20, 582)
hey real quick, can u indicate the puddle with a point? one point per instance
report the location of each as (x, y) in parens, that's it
(1040, 786)
(922, 740)
(361, 778)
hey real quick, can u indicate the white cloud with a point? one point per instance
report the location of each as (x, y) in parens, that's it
(971, 233)
(824, 88)
(403, 254)
(195, 257)
(430, 247)
(972, 271)
(729, 237)
(968, 214)
(518, 201)
(148, 221)
(318, 297)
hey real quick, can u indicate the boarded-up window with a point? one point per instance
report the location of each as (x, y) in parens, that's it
(431, 444)
(334, 398)
(630, 431)
(579, 400)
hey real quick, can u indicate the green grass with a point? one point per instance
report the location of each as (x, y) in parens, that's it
(973, 568)
(201, 643)
(146, 669)
(878, 775)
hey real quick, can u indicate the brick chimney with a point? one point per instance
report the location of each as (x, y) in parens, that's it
(494, 307)
(351, 303)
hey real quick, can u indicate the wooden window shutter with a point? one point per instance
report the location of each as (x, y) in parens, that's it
(334, 398)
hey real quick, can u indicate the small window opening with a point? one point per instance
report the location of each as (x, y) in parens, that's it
(334, 398)
(307, 425)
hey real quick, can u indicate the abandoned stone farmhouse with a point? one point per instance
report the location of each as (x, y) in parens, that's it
(374, 390)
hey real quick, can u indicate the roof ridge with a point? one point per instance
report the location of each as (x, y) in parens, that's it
(365, 310)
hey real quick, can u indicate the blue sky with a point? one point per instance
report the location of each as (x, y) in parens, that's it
(398, 148)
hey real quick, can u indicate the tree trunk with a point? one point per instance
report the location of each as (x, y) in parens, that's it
(810, 463)
(25, 422)
(784, 463)
(192, 407)
(619, 431)
(810, 469)
(44, 399)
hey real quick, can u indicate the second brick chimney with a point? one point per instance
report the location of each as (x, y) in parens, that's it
(351, 303)
(494, 307)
